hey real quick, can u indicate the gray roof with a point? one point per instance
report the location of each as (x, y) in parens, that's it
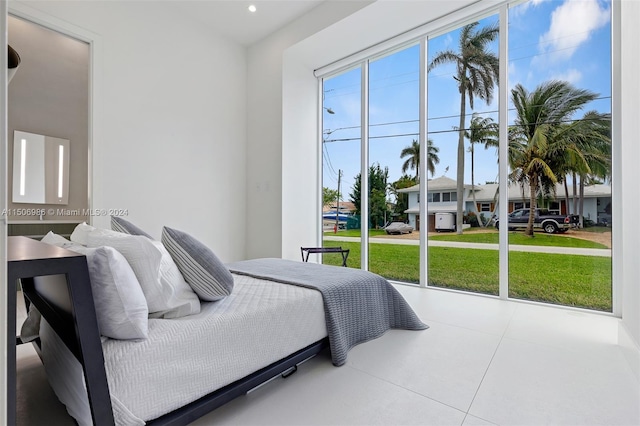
(487, 192)
(438, 184)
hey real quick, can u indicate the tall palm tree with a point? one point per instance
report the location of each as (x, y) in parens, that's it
(481, 131)
(413, 162)
(591, 137)
(540, 135)
(477, 73)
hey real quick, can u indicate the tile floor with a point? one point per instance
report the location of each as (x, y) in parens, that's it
(483, 361)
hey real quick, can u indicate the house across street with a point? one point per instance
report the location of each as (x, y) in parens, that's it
(442, 199)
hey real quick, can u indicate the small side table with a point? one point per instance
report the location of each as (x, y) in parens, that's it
(306, 251)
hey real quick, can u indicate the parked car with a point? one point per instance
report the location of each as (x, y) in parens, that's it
(549, 223)
(398, 228)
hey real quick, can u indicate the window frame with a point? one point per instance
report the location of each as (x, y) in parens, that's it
(441, 26)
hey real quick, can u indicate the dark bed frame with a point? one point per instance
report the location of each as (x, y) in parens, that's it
(70, 311)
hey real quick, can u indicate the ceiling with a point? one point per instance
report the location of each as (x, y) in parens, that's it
(232, 19)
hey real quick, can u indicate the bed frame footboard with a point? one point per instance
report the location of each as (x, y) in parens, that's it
(208, 403)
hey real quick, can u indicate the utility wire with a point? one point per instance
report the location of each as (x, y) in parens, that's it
(452, 131)
(328, 131)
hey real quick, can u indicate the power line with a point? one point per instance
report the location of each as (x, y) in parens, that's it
(452, 130)
(325, 153)
(443, 117)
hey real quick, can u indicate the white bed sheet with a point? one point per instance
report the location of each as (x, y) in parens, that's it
(184, 359)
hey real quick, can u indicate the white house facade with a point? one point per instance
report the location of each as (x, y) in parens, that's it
(442, 198)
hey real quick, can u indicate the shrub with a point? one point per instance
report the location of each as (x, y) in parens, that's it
(471, 219)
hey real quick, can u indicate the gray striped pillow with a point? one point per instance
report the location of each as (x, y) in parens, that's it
(120, 225)
(200, 267)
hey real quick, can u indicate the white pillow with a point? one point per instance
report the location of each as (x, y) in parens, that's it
(56, 240)
(121, 308)
(167, 294)
(80, 233)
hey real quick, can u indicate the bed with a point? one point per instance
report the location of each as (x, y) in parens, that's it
(279, 314)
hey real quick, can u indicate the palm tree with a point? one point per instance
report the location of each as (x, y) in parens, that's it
(477, 73)
(483, 131)
(540, 135)
(413, 162)
(591, 137)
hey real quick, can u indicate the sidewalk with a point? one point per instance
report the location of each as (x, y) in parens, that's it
(479, 246)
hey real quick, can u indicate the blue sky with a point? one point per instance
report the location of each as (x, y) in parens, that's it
(548, 39)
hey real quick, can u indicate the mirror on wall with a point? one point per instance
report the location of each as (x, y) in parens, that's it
(40, 169)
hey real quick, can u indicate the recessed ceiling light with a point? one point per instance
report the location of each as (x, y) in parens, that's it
(252, 8)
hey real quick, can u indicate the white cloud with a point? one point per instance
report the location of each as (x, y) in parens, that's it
(571, 25)
(573, 76)
(518, 11)
(448, 41)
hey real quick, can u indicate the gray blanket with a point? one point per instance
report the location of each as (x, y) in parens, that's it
(359, 305)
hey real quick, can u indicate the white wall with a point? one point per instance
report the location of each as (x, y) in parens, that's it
(591, 209)
(170, 119)
(264, 149)
(630, 153)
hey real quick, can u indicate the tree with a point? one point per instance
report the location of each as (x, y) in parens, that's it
(329, 196)
(378, 208)
(413, 162)
(477, 73)
(481, 131)
(590, 159)
(402, 198)
(543, 131)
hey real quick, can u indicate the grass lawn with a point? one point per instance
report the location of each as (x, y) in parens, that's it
(473, 236)
(519, 238)
(571, 280)
(356, 233)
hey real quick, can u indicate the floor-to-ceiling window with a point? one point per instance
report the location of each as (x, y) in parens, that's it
(394, 164)
(560, 153)
(541, 229)
(462, 86)
(341, 163)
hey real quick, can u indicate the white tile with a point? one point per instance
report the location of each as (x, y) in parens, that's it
(321, 394)
(535, 384)
(486, 314)
(476, 421)
(444, 363)
(567, 329)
